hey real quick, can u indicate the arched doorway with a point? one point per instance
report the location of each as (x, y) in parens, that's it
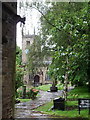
(36, 80)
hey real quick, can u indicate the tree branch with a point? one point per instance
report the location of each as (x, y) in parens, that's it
(46, 18)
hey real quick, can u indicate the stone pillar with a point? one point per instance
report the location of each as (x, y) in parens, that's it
(0, 61)
(9, 21)
(8, 58)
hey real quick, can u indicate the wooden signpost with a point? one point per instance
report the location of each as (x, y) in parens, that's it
(83, 103)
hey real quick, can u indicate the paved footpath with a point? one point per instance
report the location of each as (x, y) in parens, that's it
(25, 109)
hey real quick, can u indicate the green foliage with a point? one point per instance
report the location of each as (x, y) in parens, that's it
(19, 94)
(60, 86)
(19, 70)
(77, 93)
(30, 93)
(71, 103)
(69, 31)
(33, 93)
(36, 55)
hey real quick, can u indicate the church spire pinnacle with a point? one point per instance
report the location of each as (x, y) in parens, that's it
(34, 30)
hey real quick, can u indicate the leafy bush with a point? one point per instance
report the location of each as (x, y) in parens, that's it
(19, 94)
(19, 70)
(33, 93)
(30, 93)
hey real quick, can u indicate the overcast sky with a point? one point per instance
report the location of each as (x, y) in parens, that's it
(32, 22)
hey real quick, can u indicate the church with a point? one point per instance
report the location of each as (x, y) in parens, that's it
(40, 77)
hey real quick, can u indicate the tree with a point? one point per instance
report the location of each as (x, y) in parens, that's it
(37, 55)
(19, 70)
(69, 33)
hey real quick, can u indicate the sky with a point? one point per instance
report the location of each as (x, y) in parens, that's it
(32, 22)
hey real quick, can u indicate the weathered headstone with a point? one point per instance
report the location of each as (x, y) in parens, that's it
(59, 103)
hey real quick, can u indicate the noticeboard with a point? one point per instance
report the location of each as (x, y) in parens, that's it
(83, 103)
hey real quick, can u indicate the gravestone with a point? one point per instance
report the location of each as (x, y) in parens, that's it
(53, 89)
(59, 103)
(24, 92)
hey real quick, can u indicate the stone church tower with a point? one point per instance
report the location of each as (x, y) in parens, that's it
(27, 40)
(40, 77)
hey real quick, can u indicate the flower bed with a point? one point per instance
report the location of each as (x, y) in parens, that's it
(30, 93)
(33, 93)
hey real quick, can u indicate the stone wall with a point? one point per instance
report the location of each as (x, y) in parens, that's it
(8, 58)
(25, 39)
(0, 61)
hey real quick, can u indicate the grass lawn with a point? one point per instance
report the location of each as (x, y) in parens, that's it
(71, 103)
(79, 92)
(44, 87)
(47, 87)
(72, 111)
(23, 100)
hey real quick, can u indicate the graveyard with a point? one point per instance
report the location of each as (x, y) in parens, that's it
(45, 60)
(51, 108)
(71, 106)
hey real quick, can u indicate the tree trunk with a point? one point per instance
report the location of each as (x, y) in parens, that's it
(66, 79)
(66, 85)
